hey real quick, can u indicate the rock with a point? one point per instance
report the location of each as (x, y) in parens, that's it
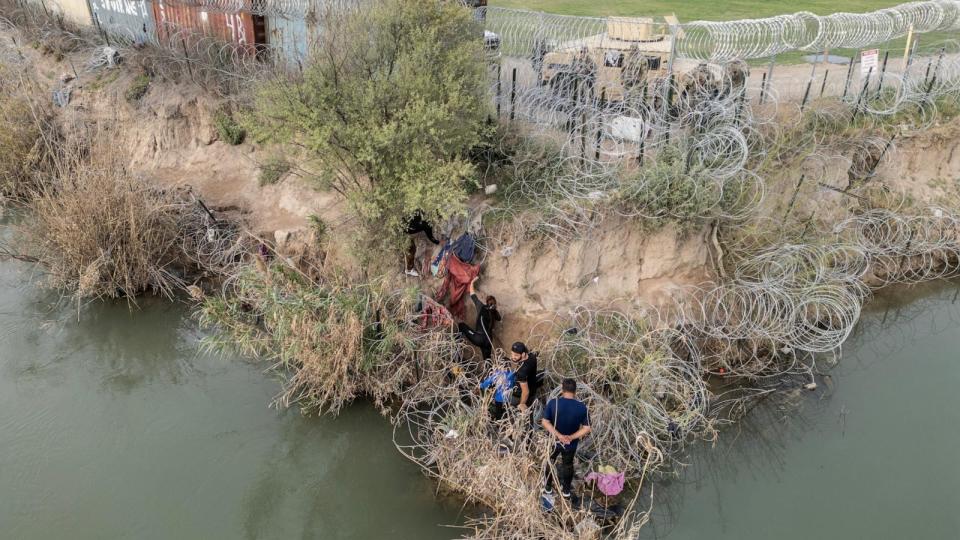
(281, 237)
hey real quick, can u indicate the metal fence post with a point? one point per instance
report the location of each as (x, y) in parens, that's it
(846, 83)
(883, 70)
(513, 96)
(768, 78)
(863, 91)
(603, 105)
(499, 96)
(186, 55)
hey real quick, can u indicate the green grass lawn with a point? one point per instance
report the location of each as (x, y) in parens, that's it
(691, 10)
(718, 10)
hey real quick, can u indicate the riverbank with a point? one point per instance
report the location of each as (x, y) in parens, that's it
(663, 292)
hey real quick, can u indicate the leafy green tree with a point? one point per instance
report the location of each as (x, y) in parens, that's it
(391, 99)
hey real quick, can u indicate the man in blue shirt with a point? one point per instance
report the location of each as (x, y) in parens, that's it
(504, 380)
(567, 419)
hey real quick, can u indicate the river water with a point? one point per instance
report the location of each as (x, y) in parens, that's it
(874, 455)
(117, 426)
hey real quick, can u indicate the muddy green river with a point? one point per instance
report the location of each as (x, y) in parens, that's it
(117, 426)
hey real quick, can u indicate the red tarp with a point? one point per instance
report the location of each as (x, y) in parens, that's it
(458, 278)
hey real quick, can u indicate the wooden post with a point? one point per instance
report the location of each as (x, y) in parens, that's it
(906, 49)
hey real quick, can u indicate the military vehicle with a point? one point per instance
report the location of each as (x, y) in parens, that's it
(632, 57)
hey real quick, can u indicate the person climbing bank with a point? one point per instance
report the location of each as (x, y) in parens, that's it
(416, 225)
(487, 317)
(565, 418)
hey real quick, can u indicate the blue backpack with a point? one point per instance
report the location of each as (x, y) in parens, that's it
(464, 248)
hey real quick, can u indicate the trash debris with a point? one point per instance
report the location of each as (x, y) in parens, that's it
(195, 292)
(452, 434)
(112, 56)
(810, 386)
(105, 56)
(61, 96)
(547, 501)
(491, 189)
(507, 251)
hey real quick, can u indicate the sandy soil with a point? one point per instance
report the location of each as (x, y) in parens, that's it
(170, 140)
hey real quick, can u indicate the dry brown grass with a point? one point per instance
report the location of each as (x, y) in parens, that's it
(330, 339)
(23, 140)
(99, 232)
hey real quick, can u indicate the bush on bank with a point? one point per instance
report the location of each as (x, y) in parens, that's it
(389, 104)
(23, 151)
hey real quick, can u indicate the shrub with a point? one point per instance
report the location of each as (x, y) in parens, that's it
(228, 130)
(273, 169)
(138, 88)
(319, 227)
(671, 189)
(24, 152)
(331, 340)
(389, 108)
(98, 232)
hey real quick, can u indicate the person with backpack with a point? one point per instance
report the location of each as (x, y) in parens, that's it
(487, 318)
(565, 418)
